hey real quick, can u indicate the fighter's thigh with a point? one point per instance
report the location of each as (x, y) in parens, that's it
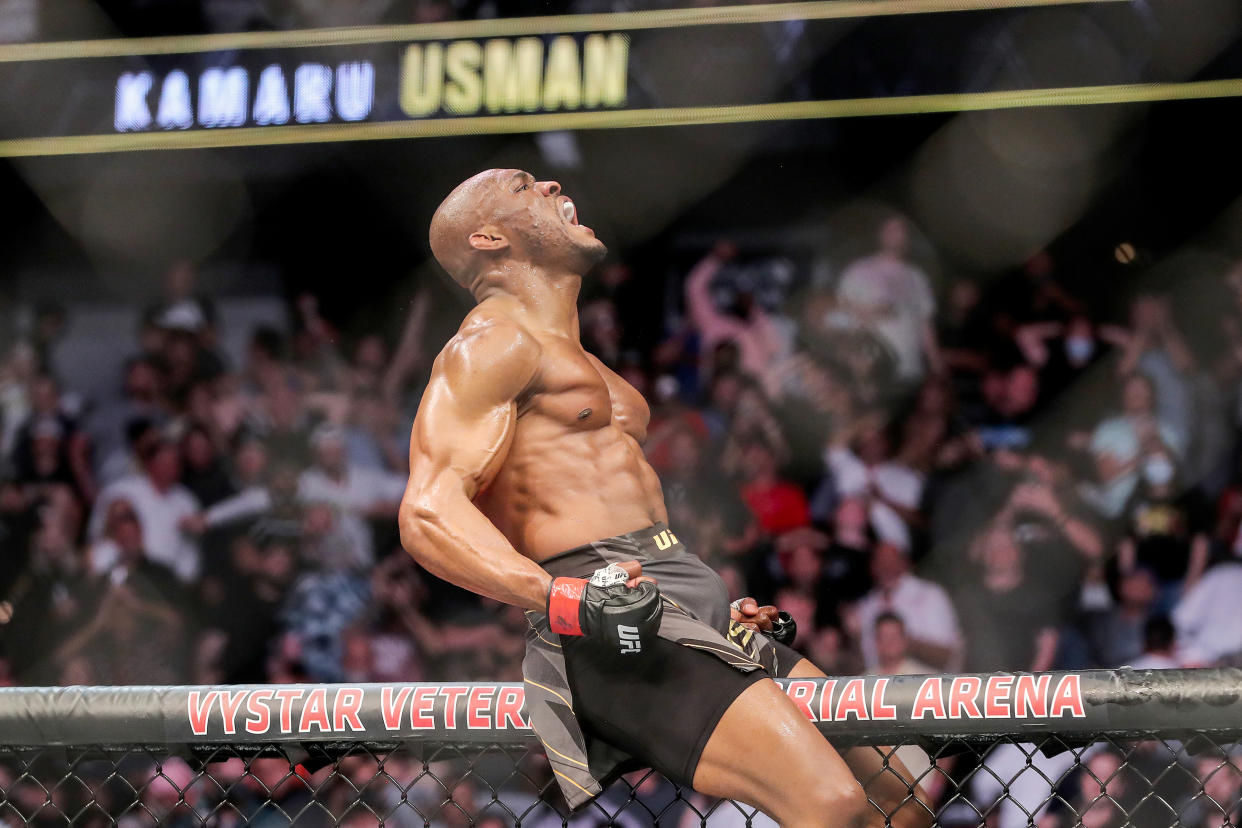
(766, 753)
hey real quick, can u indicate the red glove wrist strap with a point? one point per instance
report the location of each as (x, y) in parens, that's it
(564, 600)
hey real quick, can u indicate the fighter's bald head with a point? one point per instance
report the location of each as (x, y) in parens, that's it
(469, 210)
(502, 221)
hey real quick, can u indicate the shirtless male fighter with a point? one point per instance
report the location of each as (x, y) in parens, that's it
(526, 477)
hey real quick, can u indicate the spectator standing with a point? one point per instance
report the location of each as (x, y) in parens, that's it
(1119, 634)
(889, 295)
(702, 502)
(1029, 562)
(242, 619)
(866, 470)
(963, 329)
(203, 471)
(357, 494)
(847, 561)
(48, 602)
(161, 504)
(1063, 352)
(1209, 626)
(257, 489)
(375, 438)
(1159, 645)
(922, 606)
(17, 374)
(185, 354)
(1166, 530)
(49, 447)
(892, 648)
(778, 505)
(1030, 294)
(1009, 395)
(319, 610)
(758, 339)
(143, 622)
(1121, 444)
(1157, 350)
(141, 399)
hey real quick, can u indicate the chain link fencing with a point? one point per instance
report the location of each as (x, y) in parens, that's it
(166, 757)
(1152, 782)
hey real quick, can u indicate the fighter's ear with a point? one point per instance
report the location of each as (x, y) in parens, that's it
(488, 239)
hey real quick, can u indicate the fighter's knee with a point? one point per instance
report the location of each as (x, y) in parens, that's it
(842, 804)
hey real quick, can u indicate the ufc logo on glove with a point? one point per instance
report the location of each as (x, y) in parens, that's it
(630, 640)
(620, 618)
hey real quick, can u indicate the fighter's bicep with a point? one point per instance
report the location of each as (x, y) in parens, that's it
(468, 414)
(459, 443)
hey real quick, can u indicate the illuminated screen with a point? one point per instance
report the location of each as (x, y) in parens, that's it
(669, 67)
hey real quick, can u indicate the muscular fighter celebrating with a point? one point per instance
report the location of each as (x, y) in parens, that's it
(528, 485)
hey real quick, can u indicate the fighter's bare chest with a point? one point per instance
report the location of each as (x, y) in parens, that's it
(579, 393)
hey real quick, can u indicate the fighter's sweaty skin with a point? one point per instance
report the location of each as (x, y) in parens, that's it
(567, 480)
(506, 470)
(524, 445)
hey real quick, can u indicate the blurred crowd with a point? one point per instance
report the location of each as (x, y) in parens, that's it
(929, 475)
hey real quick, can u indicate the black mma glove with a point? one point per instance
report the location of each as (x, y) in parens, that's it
(622, 619)
(780, 626)
(784, 629)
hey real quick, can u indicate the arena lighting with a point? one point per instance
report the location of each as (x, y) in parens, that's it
(624, 119)
(509, 27)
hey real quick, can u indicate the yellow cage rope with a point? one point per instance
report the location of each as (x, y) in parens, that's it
(622, 119)
(655, 19)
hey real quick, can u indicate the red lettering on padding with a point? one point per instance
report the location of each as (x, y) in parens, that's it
(853, 700)
(391, 708)
(1030, 696)
(929, 700)
(421, 707)
(1068, 698)
(879, 710)
(260, 718)
(995, 697)
(315, 712)
(509, 708)
(962, 693)
(825, 700)
(451, 693)
(801, 692)
(230, 703)
(477, 712)
(345, 710)
(200, 710)
(287, 696)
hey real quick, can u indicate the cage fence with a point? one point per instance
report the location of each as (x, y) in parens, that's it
(1148, 782)
(1183, 770)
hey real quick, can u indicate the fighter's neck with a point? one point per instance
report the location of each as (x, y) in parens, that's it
(544, 300)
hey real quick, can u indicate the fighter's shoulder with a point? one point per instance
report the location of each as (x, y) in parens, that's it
(493, 349)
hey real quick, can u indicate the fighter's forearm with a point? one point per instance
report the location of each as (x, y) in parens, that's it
(452, 540)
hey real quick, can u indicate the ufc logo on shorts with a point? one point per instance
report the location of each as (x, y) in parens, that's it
(629, 639)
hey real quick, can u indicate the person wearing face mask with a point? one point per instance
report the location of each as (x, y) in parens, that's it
(1063, 351)
(1166, 530)
(1120, 447)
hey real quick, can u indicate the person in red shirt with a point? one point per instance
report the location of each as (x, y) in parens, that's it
(777, 504)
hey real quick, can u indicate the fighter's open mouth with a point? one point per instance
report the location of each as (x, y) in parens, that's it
(569, 211)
